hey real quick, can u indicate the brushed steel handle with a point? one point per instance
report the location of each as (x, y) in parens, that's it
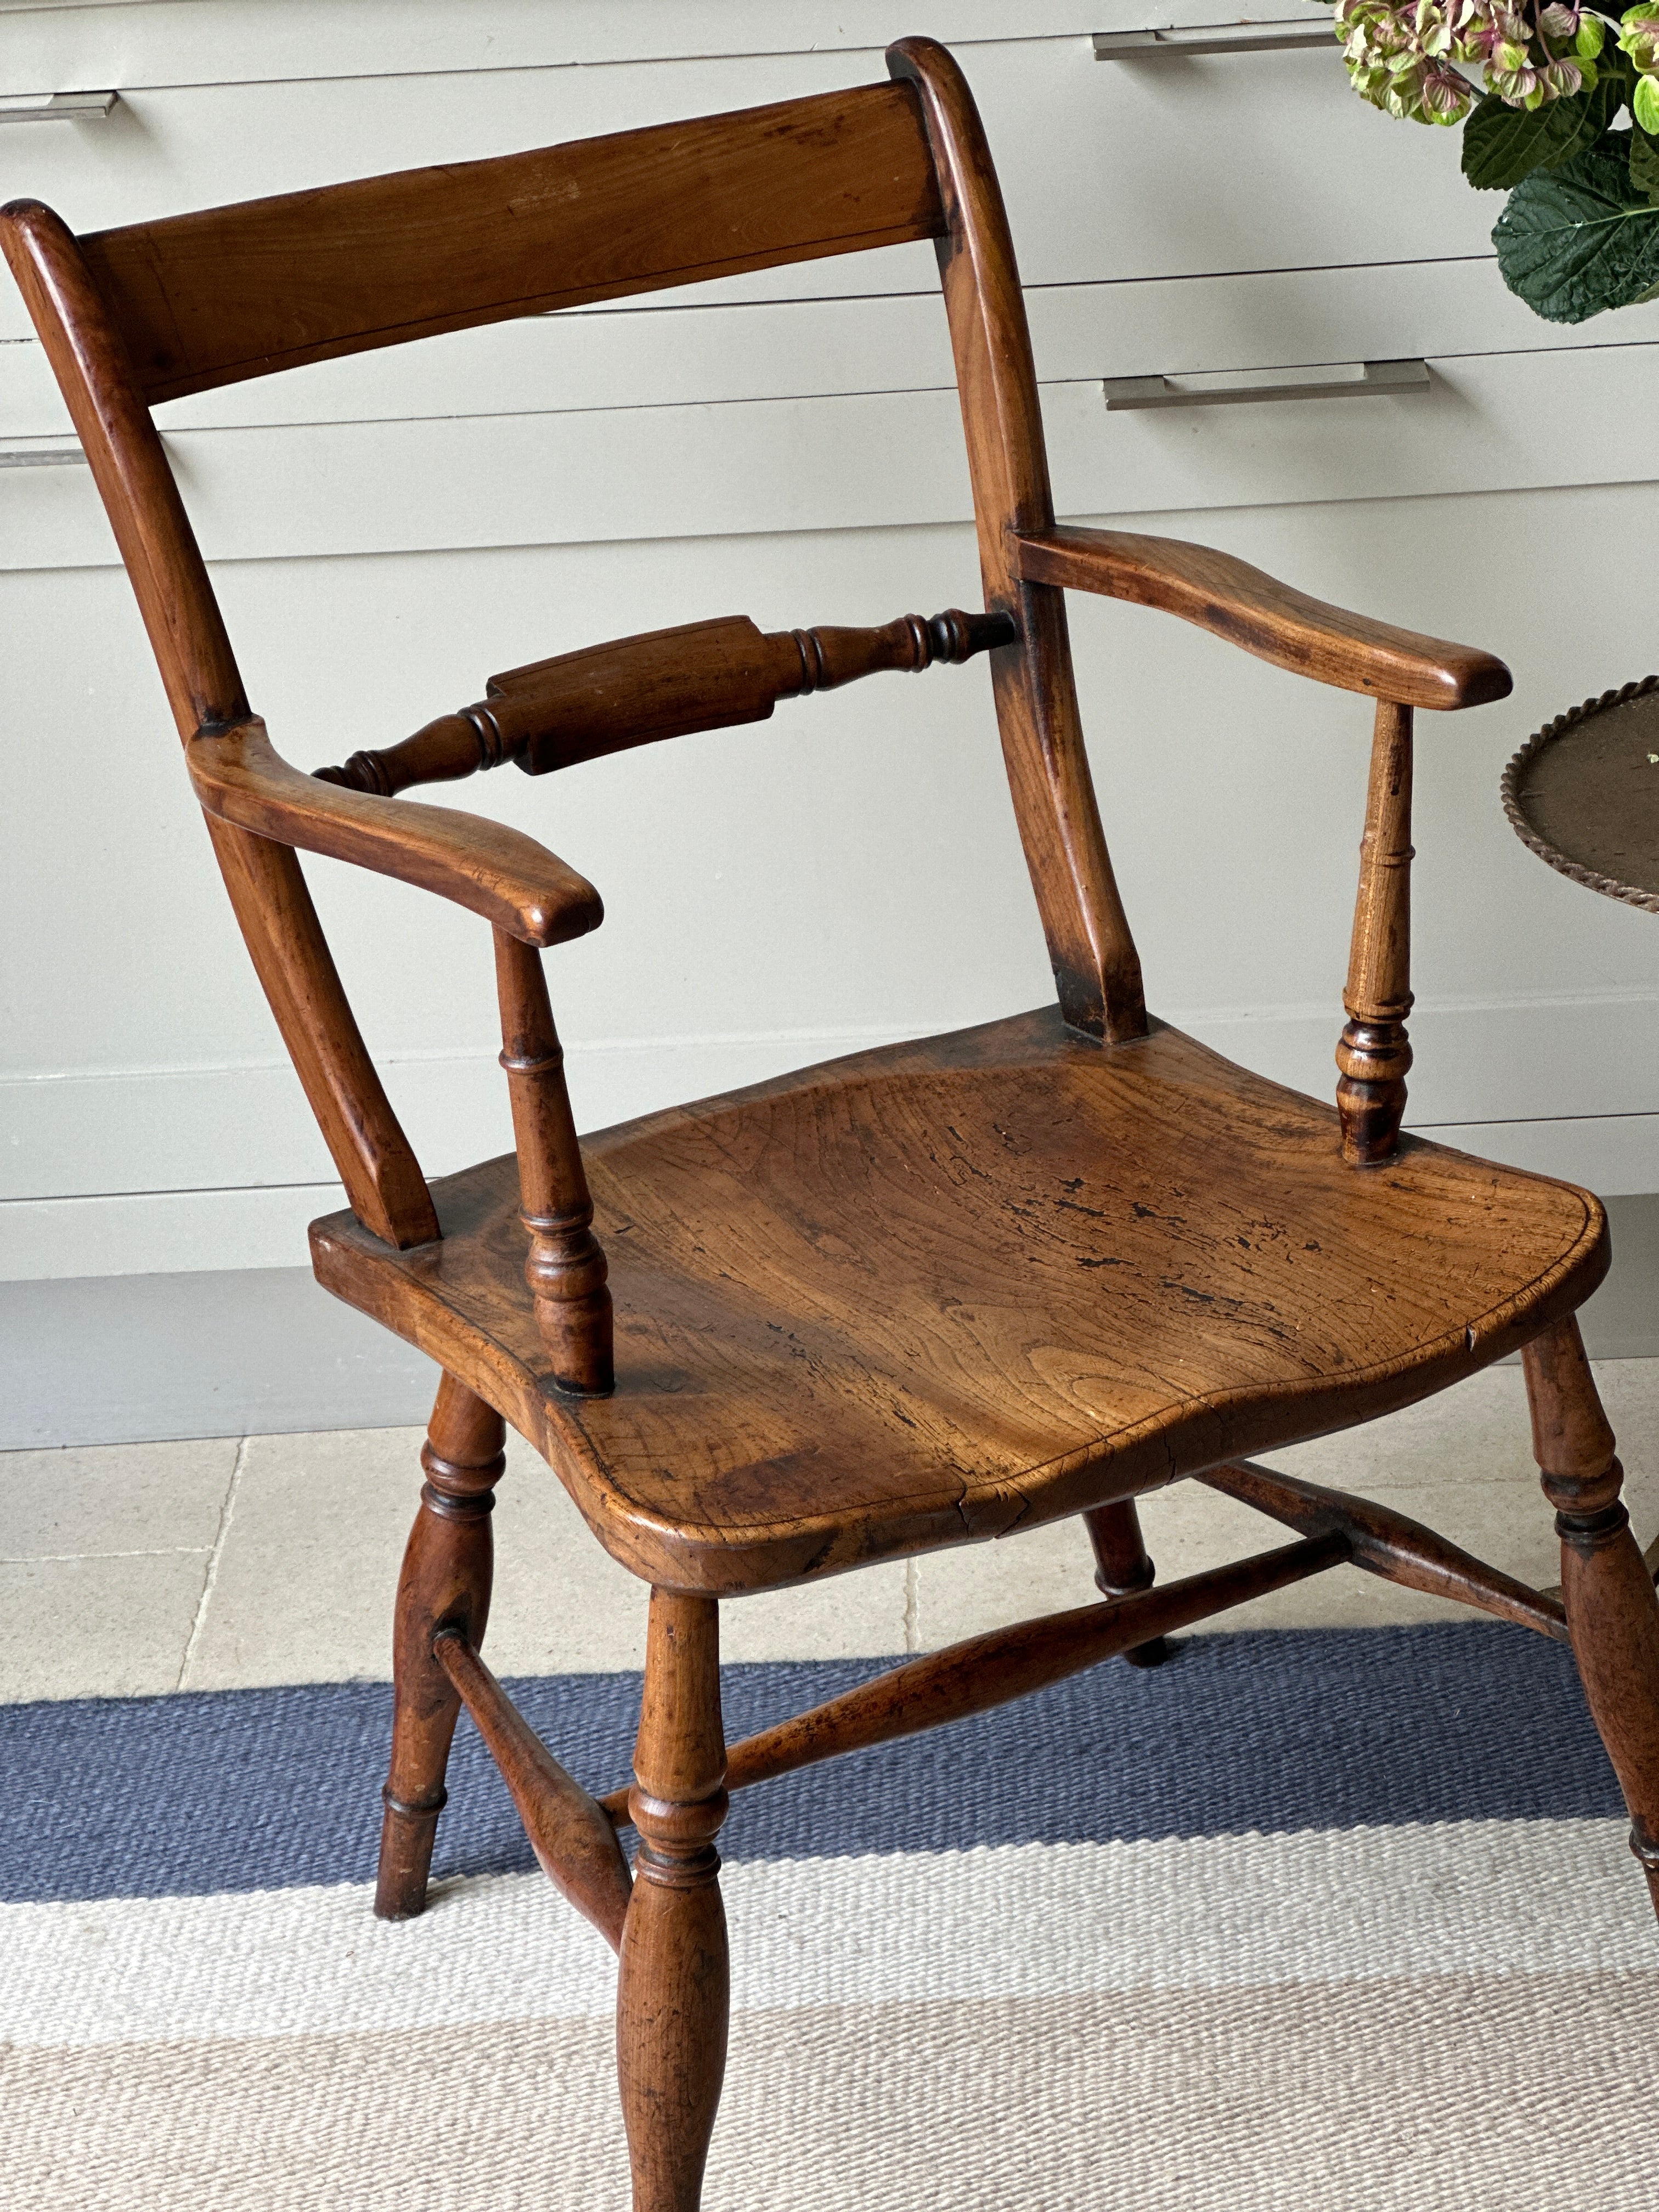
(60, 107)
(41, 457)
(1214, 38)
(1367, 379)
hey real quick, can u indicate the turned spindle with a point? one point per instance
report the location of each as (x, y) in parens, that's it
(445, 1583)
(673, 1993)
(1613, 1612)
(1375, 1052)
(664, 683)
(565, 1266)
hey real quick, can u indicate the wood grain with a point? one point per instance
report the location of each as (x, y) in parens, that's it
(1374, 1053)
(1096, 968)
(1262, 615)
(565, 1266)
(987, 1671)
(1390, 1545)
(673, 1995)
(493, 871)
(445, 1583)
(664, 684)
(1612, 1610)
(211, 298)
(576, 1846)
(941, 1291)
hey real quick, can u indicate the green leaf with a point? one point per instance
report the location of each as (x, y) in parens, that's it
(1644, 164)
(1576, 242)
(1502, 144)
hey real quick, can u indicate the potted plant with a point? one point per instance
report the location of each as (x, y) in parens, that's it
(1580, 230)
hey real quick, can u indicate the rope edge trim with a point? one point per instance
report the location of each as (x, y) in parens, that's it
(1509, 791)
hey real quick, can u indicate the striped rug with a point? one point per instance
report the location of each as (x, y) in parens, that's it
(1335, 1919)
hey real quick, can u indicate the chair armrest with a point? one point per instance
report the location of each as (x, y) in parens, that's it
(1264, 617)
(513, 882)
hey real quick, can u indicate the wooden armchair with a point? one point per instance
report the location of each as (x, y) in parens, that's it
(918, 1298)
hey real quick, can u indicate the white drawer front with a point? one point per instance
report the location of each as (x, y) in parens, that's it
(639, 357)
(243, 41)
(860, 460)
(1188, 167)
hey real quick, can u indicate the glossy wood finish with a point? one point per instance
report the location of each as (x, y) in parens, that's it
(1266, 617)
(994, 1669)
(1096, 968)
(1388, 1544)
(1375, 1053)
(576, 1846)
(211, 298)
(1612, 1611)
(491, 870)
(1123, 1567)
(674, 1993)
(946, 1289)
(445, 1584)
(666, 683)
(566, 1266)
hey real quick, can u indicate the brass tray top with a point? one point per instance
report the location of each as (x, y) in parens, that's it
(1584, 793)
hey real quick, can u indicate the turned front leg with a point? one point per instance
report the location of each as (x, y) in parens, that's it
(445, 1583)
(1375, 1054)
(673, 1994)
(1612, 1611)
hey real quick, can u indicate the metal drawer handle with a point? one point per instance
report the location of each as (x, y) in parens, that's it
(1214, 38)
(41, 457)
(1374, 379)
(60, 107)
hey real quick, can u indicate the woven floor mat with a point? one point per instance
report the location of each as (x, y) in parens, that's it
(1316, 1920)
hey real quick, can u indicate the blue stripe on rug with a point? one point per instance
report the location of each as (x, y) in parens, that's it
(1272, 1730)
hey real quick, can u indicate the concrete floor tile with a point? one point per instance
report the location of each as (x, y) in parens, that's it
(304, 1587)
(95, 1501)
(97, 1627)
(856, 1616)
(984, 1586)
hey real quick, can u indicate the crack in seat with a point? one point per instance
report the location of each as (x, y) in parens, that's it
(933, 1292)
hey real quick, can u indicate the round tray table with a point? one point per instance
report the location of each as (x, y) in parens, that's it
(1584, 793)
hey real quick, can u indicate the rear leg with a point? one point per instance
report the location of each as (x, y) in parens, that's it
(1122, 1566)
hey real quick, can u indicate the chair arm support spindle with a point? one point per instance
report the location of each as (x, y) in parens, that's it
(1375, 1054)
(566, 1266)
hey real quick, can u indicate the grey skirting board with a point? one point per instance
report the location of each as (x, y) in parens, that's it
(262, 1350)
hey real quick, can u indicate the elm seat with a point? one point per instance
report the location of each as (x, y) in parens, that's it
(941, 1291)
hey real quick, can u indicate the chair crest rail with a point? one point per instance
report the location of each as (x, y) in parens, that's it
(663, 683)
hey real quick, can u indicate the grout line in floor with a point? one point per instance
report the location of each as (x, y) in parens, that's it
(912, 1607)
(212, 1575)
(67, 1559)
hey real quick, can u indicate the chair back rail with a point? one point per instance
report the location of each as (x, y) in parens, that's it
(234, 292)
